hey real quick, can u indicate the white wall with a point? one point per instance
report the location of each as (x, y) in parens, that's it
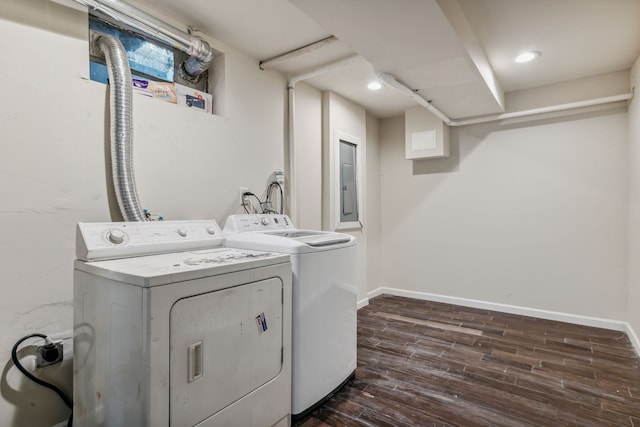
(531, 214)
(52, 172)
(634, 205)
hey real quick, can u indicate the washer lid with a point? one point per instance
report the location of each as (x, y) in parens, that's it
(261, 241)
(313, 238)
(266, 232)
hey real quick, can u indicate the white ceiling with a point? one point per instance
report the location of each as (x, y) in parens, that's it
(456, 53)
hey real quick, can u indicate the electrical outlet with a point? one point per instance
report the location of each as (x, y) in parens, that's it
(279, 176)
(241, 191)
(49, 354)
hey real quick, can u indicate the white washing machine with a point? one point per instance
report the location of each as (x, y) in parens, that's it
(172, 329)
(324, 301)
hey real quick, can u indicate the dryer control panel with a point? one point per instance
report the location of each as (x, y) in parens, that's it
(111, 240)
(257, 222)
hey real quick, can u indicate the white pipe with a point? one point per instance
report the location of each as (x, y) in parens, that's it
(391, 81)
(542, 110)
(293, 205)
(291, 90)
(272, 62)
(199, 50)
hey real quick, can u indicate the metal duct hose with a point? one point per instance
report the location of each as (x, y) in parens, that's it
(121, 127)
(200, 59)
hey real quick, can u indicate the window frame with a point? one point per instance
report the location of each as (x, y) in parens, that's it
(178, 56)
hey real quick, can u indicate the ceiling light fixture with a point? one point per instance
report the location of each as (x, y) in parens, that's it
(527, 56)
(374, 85)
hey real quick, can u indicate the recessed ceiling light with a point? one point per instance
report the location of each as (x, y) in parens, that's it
(374, 85)
(527, 56)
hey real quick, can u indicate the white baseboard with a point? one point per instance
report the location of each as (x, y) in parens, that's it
(634, 338)
(363, 303)
(615, 325)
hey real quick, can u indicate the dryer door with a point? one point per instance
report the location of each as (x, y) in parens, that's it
(224, 345)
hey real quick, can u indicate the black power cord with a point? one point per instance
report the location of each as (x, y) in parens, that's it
(268, 198)
(277, 184)
(16, 362)
(267, 205)
(249, 193)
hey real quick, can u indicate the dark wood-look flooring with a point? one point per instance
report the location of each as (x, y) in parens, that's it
(422, 363)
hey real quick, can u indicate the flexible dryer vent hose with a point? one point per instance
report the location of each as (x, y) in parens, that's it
(121, 127)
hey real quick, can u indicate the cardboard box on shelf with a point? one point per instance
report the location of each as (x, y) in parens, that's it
(160, 90)
(192, 98)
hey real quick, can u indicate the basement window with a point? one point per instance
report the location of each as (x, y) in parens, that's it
(148, 58)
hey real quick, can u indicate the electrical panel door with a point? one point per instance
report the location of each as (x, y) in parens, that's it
(348, 183)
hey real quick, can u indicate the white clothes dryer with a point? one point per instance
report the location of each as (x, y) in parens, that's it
(324, 301)
(172, 329)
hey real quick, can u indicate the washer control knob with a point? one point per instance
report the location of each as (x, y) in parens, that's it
(211, 230)
(265, 221)
(182, 232)
(116, 236)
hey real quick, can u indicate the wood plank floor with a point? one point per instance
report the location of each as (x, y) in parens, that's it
(422, 363)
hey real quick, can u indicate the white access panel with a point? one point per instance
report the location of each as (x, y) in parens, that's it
(224, 345)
